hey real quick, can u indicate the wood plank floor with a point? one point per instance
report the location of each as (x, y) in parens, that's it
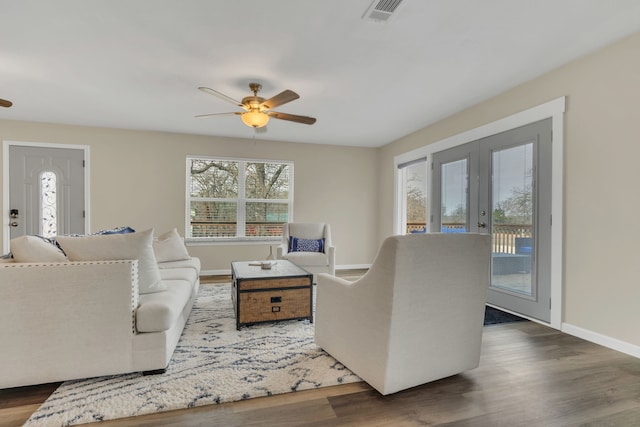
(529, 375)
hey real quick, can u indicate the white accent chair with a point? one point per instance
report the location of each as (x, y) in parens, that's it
(416, 316)
(313, 262)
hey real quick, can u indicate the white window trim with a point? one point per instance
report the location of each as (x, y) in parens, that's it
(553, 109)
(240, 239)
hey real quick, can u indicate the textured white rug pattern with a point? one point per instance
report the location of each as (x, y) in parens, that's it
(213, 363)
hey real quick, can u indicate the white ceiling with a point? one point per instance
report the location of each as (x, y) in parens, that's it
(137, 64)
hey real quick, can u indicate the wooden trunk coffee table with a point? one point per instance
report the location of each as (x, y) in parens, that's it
(283, 292)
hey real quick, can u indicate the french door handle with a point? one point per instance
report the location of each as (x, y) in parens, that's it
(482, 225)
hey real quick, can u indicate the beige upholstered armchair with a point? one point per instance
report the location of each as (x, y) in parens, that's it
(416, 316)
(308, 246)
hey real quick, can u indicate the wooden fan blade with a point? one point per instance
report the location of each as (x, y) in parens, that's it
(5, 103)
(221, 96)
(292, 118)
(205, 116)
(281, 98)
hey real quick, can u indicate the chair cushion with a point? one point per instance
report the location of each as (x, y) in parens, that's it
(159, 311)
(307, 258)
(297, 244)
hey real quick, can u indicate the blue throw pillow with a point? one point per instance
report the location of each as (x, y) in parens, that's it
(305, 245)
(117, 230)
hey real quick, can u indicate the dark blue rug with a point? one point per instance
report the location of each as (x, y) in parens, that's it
(493, 316)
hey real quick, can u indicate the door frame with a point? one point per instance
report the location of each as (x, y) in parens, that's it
(5, 182)
(553, 109)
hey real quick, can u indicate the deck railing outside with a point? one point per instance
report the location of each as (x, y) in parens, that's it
(504, 236)
(228, 229)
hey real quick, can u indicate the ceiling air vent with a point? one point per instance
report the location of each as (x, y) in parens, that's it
(381, 10)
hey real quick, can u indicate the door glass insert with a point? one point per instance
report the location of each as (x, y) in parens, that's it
(512, 219)
(454, 196)
(48, 204)
(415, 185)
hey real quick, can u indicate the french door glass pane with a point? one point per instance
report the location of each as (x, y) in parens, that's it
(512, 218)
(454, 200)
(416, 197)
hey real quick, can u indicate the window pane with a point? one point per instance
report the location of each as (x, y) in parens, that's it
(48, 205)
(454, 196)
(416, 190)
(213, 219)
(267, 181)
(266, 219)
(214, 179)
(512, 226)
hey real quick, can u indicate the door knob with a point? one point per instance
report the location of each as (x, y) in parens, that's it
(482, 225)
(13, 224)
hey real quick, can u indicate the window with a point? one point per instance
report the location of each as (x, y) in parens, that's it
(231, 199)
(48, 204)
(413, 176)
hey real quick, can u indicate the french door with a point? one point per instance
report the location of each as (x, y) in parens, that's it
(501, 185)
(46, 191)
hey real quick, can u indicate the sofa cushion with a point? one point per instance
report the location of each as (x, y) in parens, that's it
(186, 273)
(193, 263)
(159, 311)
(307, 258)
(35, 249)
(136, 245)
(170, 247)
(117, 230)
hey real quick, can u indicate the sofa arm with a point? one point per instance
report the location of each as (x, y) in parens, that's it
(60, 321)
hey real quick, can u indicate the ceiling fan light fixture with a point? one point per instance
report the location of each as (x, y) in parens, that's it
(255, 119)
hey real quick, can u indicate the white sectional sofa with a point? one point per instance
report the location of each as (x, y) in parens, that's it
(82, 317)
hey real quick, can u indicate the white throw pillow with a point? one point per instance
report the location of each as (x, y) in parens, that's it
(136, 245)
(170, 247)
(35, 249)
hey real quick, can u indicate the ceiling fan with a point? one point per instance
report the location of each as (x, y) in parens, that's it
(5, 103)
(258, 110)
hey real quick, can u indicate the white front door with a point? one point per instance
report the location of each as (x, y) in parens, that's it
(46, 191)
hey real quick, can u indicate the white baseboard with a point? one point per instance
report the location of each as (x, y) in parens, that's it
(612, 343)
(338, 267)
(215, 272)
(353, 266)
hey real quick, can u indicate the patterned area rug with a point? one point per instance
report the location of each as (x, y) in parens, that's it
(213, 363)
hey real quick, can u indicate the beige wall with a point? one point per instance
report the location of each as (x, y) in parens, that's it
(138, 179)
(602, 173)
